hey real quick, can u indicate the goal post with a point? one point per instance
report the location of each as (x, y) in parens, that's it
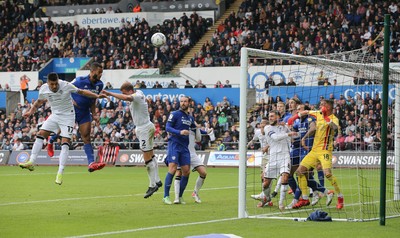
(357, 164)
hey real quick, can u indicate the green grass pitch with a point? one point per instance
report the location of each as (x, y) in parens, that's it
(110, 203)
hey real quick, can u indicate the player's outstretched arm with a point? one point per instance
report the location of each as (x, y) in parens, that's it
(89, 94)
(34, 107)
(118, 95)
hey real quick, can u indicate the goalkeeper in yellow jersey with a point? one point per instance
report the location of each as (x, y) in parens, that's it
(327, 125)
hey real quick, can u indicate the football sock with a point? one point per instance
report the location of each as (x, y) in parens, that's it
(37, 147)
(167, 184)
(156, 174)
(278, 184)
(321, 178)
(63, 157)
(89, 152)
(53, 138)
(282, 195)
(334, 183)
(292, 183)
(297, 194)
(150, 166)
(302, 179)
(184, 182)
(199, 183)
(177, 186)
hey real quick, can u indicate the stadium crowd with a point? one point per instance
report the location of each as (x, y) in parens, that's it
(28, 44)
(304, 28)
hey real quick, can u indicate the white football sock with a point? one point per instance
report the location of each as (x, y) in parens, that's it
(63, 158)
(199, 184)
(37, 147)
(177, 186)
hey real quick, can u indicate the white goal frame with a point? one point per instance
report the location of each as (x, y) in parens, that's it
(244, 63)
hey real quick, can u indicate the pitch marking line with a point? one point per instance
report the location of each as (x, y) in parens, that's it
(32, 174)
(89, 198)
(153, 228)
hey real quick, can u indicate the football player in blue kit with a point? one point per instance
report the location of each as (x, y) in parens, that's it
(84, 112)
(178, 127)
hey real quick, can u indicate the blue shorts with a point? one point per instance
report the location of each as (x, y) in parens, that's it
(178, 154)
(82, 116)
(295, 157)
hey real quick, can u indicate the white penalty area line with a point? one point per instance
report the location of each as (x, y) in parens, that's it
(95, 197)
(33, 173)
(153, 228)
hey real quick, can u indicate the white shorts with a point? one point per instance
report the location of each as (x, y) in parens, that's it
(145, 134)
(277, 164)
(195, 162)
(264, 160)
(65, 124)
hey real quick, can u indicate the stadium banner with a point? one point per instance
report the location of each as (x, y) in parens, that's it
(224, 158)
(135, 157)
(192, 5)
(197, 94)
(117, 19)
(361, 159)
(76, 157)
(312, 94)
(13, 79)
(118, 77)
(4, 156)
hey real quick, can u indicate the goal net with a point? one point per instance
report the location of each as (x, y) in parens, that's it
(353, 81)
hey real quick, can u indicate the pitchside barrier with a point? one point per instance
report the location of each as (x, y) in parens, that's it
(344, 159)
(4, 155)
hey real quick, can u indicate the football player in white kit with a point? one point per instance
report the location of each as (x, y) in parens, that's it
(58, 94)
(196, 164)
(144, 130)
(259, 135)
(279, 139)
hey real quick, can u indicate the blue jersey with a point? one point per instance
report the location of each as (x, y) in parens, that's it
(84, 103)
(178, 121)
(285, 117)
(302, 125)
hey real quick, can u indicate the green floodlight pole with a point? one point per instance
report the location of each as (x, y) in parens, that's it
(385, 85)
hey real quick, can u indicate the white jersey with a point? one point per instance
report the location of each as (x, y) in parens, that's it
(258, 136)
(60, 101)
(277, 139)
(192, 142)
(139, 109)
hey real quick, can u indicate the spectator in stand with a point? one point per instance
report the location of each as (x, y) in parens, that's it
(227, 84)
(326, 82)
(350, 140)
(227, 139)
(291, 82)
(234, 145)
(18, 145)
(188, 84)
(7, 145)
(369, 141)
(108, 86)
(200, 84)
(157, 85)
(172, 84)
(268, 83)
(339, 143)
(223, 122)
(218, 85)
(321, 78)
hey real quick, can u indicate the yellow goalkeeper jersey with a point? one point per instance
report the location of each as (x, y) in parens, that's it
(324, 135)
